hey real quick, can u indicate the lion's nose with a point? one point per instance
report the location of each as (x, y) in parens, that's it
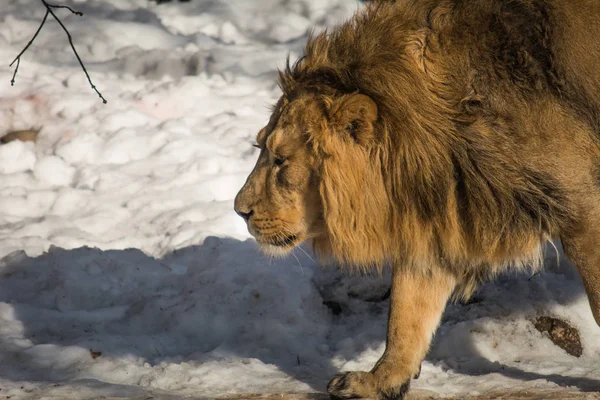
(245, 215)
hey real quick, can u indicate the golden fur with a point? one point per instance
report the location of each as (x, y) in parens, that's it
(448, 139)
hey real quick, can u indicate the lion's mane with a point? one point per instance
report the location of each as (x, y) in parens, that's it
(440, 185)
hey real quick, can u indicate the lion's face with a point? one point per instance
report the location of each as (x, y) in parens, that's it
(306, 138)
(280, 199)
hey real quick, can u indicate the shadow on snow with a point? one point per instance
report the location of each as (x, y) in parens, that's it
(222, 302)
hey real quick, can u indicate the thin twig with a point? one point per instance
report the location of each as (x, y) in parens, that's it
(18, 58)
(12, 81)
(67, 7)
(49, 8)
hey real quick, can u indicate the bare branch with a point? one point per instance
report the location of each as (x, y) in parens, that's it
(49, 8)
(18, 58)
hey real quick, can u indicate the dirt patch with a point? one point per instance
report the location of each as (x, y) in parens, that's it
(561, 333)
(27, 135)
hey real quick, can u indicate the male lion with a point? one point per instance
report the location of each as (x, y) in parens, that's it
(448, 139)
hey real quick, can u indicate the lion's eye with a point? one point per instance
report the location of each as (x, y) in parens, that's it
(278, 161)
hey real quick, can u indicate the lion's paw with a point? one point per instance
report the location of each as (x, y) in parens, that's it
(355, 385)
(352, 385)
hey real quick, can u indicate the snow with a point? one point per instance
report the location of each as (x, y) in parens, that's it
(125, 271)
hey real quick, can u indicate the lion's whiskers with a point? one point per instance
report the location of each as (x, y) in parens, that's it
(281, 236)
(307, 255)
(286, 227)
(299, 263)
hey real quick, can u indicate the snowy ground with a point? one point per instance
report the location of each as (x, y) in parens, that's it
(125, 271)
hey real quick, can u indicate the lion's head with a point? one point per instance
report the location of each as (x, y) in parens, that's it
(311, 148)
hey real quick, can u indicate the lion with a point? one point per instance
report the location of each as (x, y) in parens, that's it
(447, 140)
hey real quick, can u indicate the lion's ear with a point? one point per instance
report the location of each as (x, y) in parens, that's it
(354, 115)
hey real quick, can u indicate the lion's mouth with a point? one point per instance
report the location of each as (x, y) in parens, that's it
(287, 241)
(284, 241)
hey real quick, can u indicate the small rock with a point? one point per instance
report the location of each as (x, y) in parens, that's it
(95, 354)
(334, 306)
(561, 333)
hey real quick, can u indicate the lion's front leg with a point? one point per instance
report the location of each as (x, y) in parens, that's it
(416, 306)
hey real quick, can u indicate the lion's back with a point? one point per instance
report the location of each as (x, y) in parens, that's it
(577, 50)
